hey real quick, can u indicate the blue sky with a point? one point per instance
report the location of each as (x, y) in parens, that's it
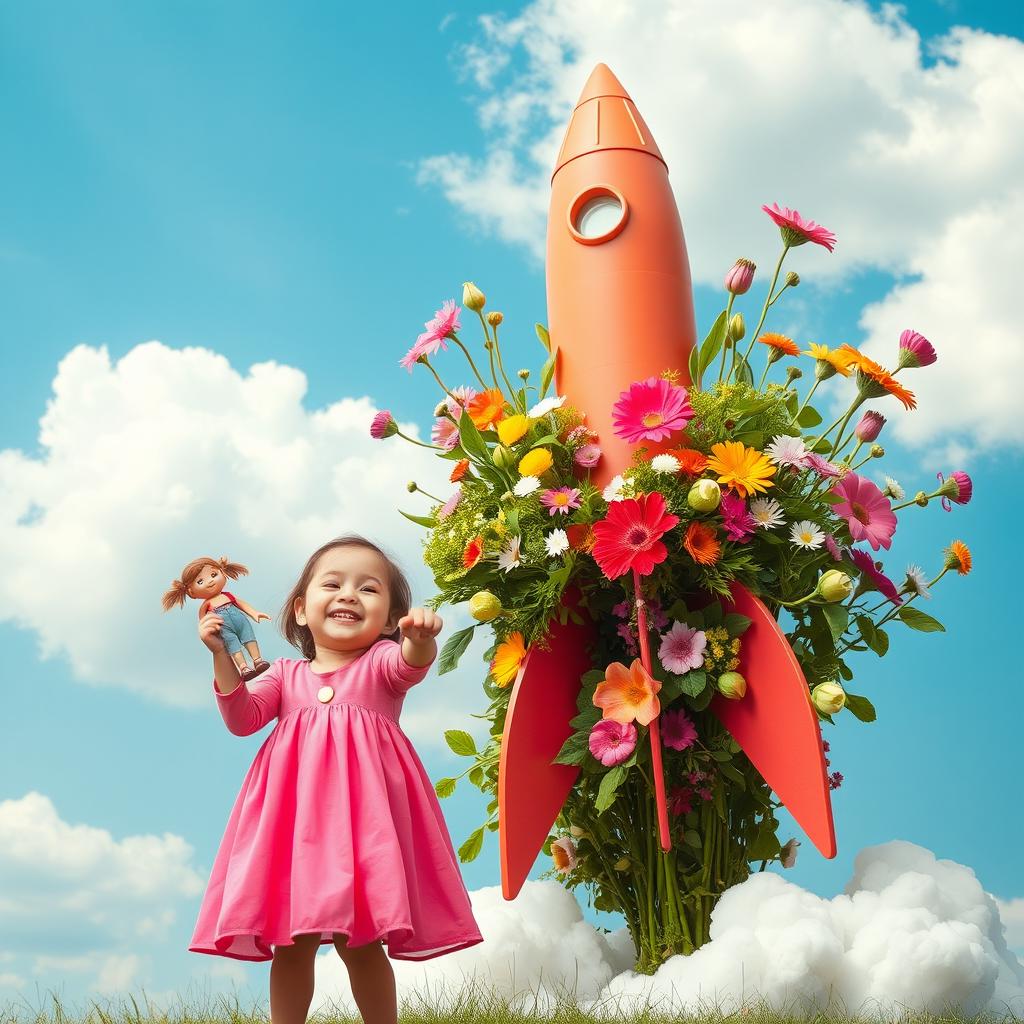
(304, 187)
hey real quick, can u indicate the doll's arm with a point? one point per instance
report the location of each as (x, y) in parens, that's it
(250, 611)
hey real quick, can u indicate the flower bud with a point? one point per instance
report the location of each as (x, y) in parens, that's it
(411, 487)
(921, 499)
(705, 496)
(732, 685)
(622, 864)
(484, 606)
(494, 318)
(834, 585)
(792, 279)
(737, 327)
(384, 425)
(441, 408)
(579, 833)
(829, 698)
(523, 375)
(793, 373)
(869, 426)
(472, 297)
(740, 277)
(788, 854)
(502, 457)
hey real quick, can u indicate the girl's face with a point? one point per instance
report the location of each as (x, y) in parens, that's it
(346, 604)
(208, 583)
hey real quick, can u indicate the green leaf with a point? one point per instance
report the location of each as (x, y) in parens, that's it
(471, 440)
(744, 373)
(712, 344)
(838, 618)
(470, 849)
(453, 649)
(692, 838)
(823, 447)
(542, 334)
(736, 624)
(476, 776)
(444, 787)
(547, 372)
(574, 750)
(809, 417)
(512, 520)
(919, 620)
(587, 718)
(721, 755)
(860, 707)
(609, 784)
(732, 772)
(426, 521)
(693, 682)
(881, 644)
(866, 626)
(713, 615)
(692, 368)
(766, 845)
(460, 742)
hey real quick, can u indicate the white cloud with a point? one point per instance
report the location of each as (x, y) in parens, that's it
(821, 104)
(1012, 914)
(910, 932)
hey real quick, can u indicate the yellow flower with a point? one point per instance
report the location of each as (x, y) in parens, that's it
(512, 428)
(507, 659)
(839, 361)
(538, 461)
(745, 470)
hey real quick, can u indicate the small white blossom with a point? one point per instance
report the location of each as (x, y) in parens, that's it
(893, 490)
(615, 489)
(545, 405)
(806, 534)
(526, 485)
(509, 558)
(786, 450)
(665, 464)
(556, 542)
(767, 513)
(916, 582)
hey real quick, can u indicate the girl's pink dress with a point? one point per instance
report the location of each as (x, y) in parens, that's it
(337, 827)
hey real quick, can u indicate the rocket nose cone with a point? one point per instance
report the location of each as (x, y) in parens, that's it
(602, 83)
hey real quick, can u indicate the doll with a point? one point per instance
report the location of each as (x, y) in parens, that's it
(204, 579)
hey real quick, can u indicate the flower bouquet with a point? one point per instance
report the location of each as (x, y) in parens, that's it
(758, 493)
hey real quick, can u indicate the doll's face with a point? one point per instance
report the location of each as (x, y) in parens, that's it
(210, 582)
(347, 601)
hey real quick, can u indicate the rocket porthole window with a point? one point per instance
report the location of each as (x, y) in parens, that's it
(597, 215)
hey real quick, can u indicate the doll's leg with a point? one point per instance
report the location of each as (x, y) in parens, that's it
(372, 980)
(291, 980)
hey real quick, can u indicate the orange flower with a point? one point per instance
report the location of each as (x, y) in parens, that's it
(877, 375)
(745, 470)
(459, 471)
(487, 409)
(507, 659)
(474, 549)
(887, 381)
(628, 694)
(702, 544)
(958, 556)
(691, 461)
(581, 536)
(838, 360)
(783, 345)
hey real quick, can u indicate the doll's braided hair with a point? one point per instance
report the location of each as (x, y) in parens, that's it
(179, 588)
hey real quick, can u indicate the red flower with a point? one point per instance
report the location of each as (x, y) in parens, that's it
(474, 549)
(630, 537)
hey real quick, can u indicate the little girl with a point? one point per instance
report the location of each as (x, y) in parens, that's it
(337, 835)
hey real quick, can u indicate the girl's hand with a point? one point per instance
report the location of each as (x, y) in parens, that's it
(209, 632)
(420, 625)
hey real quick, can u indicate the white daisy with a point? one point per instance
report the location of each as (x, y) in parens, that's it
(665, 464)
(615, 489)
(767, 513)
(787, 450)
(806, 534)
(556, 542)
(526, 485)
(893, 490)
(545, 405)
(916, 582)
(509, 558)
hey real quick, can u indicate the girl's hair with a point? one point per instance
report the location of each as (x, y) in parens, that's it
(398, 590)
(179, 588)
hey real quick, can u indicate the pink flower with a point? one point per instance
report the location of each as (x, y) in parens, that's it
(658, 619)
(627, 635)
(795, 230)
(449, 506)
(833, 548)
(587, 456)
(868, 569)
(612, 742)
(580, 434)
(621, 610)
(916, 350)
(739, 524)
(964, 489)
(705, 793)
(383, 425)
(867, 510)
(835, 780)
(445, 433)
(679, 801)
(870, 426)
(563, 853)
(424, 345)
(458, 400)
(740, 277)
(682, 648)
(651, 410)
(560, 499)
(694, 777)
(677, 730)
(445, 322)
(820, 465)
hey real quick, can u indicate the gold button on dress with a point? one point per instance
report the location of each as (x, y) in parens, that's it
(324, 694)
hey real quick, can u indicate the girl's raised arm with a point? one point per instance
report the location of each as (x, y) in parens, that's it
(250, 706)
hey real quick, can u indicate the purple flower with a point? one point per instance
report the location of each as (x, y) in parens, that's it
(868, 569)
(739, 524)
(870, 426)
(677, 730)
(820, 465)
(959, 488)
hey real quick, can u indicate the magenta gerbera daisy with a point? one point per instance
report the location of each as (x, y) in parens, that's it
(651, 410)
(795, 230)
(446, 320)
(958, 488)
(677, 730)
(630, 537)
(612, 742)
(737, 521)
(868, 569)
(867, 510)
(916, 350)
(560, 499)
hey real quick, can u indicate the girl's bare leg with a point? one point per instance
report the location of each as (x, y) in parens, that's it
(291, 980)
(372, 980)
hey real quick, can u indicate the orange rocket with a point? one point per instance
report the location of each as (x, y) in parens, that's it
(620, 309)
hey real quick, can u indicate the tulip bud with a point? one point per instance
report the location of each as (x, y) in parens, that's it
(829, 698)
(411, 487)
(502, 457)
(705, 496)
(494, 318)
(484, 606)
(740, 277)
(869, 426)
(737, 327)
(622, 864)
(792, 279)
(472, 297)
(834, 585)
(732, 685)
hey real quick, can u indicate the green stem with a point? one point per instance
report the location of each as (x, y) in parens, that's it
(846, 419)
(436, 448)
(458, 342)
(800, 409)
(767, 301)
(728, 310)
(497, 352)
(426, 363)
